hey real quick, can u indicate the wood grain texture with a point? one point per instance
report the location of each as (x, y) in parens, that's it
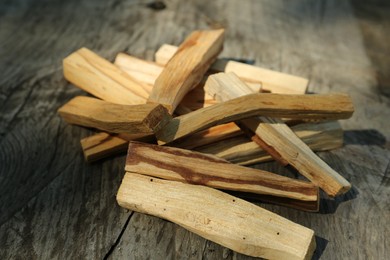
(300, 156)
(103, 145)
(187, 67)
(241, 150)
(115, 118)
(143, 71)
(196, 168)
(275, 137)
(98, 76)
(217, 216)
(55, 206)
(331, 106)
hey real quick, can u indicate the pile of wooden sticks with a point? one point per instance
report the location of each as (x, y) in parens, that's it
(190, 121)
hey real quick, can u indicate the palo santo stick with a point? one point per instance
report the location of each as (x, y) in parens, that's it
(144, 71)
(330, 106)
(186, 68)
(102, 79)
(273, 81)
(278, 139)
(320, 136)
(299, 156)
(209, 136)
(148, 71)
(99, 77)
(240, 150)
(217, 216)
(165, 53)
(309, 206)
(114, 118)
(102, 145)
(184, 165)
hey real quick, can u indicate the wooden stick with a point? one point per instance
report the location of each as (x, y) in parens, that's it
(240, 150)
(186, 68)
(309, 206)
(225, 141)
(273, 81)
(114, 118)
(102, 79)
(331, 106)
(278, 139)
(165, 53)
(217, 216)
(299, 156)
(99, 77)
(144, 71)
(196, 168)
(102, 145)
(209, 136)
(147, 72)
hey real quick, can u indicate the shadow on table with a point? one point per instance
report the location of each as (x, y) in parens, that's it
(321, 244)
(329, 206)
(364, 137)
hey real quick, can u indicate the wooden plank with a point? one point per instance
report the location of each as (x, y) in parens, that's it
(272, 81)
(217, 216)
(102, 79)
(114, 118)
(330, 106)
(196, 168)
(278, 139)
(241, 150)
(186, 68)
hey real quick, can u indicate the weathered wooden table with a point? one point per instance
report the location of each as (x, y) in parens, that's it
(54, 205)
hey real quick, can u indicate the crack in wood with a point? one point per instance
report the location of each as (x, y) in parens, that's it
(118, 239)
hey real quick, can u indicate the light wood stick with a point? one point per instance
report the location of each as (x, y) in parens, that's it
(273, 81)
(241, 150)
(309, 206)
(148, 71)
(278, 139)
(114, 118)
(320, 136)
(186, 68)
(102, 145)
(102, 79)
(330, 106)
(184, 165)
(144, 71)
(299, 156)
(209, 136)
(217, 216)
(165, 53)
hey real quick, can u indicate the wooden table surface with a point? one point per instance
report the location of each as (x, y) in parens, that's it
(53, 205)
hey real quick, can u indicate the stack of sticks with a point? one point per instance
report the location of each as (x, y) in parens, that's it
(191, 121)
